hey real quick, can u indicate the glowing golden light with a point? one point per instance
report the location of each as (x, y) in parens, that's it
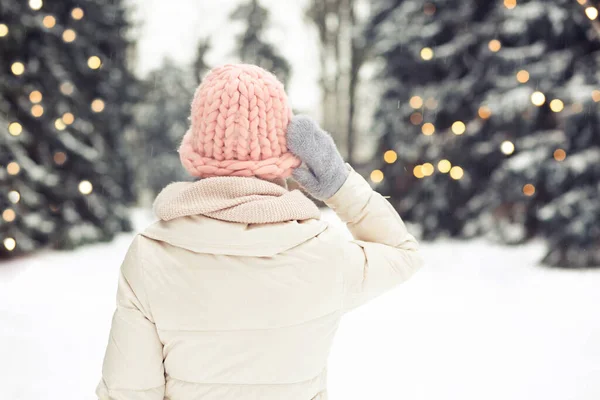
(9, 215)
(14, 196)
(523, 76)
(538, 98)
(557, 105)
(94, 62)
(582, 2)
(427, 169)
(60, 158)
(97, 105)
(431, 103)
(35, 4)
(15, 128)
(444, 166)
(507, 147)
(13, 168)
(494, 45)
(49, 21)
(37, 110)
(416, 102)
(17, 68)
(456, 173)
(3, 30)
(560, 154)
(428, 129)
(69, 35)
(528, 189)
(10, 243)
(66, 88)
(591, 12)
(484, 112)
(416, 118)
(85, 187)
(35, 96)
(60, 125)
(377, 176)
(390, 156)
(596, 95)
(510, 4)
(68, 118)
(426, 53)
(459, 127)
(418, 171)
(77, 13)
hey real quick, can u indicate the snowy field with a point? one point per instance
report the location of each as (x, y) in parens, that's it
(478, 323)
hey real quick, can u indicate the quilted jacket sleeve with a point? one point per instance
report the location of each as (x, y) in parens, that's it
(133, 363)
(383, 253)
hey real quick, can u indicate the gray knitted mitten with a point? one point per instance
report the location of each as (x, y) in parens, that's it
(323, 171)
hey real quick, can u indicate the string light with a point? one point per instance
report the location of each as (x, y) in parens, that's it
(35, 96)
(416, 102)
(14, 196)
(431, 103)
(557, 105)
(523, 76)
(390, 156)
(427, 169)
(15, 128)
(35, 4)
(428, 129)
(377, 176)
(418, 171)
(94, 62)
(77, 13)
(49, 21)
(596, 95)
(60, 158)
(3, 30)
(37, 111)
(494, 45)
(456, 173)
(510, 4)
(9, 215)
(582, 2)
(507, 147)
(444, 166)
(416, 118)
(68, 118)
(66, 88)
(97, 105)
(560, 154)
(426, 53)
(538, 98)
(591, 12)
(59, 124)
(484, 112)
(528, 189)
(429, 9)
(17, 68)
(69, 35)
(13, 168)
(459, 127)
(10, 243)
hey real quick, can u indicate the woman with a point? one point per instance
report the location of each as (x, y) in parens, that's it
(237, 291)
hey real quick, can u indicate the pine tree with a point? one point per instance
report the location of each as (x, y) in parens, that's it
(65, 101)
(251, 46)
(483, 101)
(200, 67)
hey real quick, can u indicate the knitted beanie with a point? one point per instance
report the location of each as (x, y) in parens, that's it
(239, 119)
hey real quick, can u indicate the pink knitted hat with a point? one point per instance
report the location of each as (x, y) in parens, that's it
(239, 119)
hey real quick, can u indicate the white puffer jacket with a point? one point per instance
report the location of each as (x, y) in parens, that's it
(209, 310)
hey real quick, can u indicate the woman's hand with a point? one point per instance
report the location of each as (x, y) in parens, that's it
(323, 171)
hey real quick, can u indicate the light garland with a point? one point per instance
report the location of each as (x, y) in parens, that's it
(529, 190)
(377, 176)
(10, 243)
(3, 30)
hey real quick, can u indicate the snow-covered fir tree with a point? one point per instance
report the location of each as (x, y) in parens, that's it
(65, 94)
(252, 48)
(489, 120)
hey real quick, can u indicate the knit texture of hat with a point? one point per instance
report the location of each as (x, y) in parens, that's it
(239, 119)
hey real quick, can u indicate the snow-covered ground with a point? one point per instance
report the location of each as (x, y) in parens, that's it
(479, 322)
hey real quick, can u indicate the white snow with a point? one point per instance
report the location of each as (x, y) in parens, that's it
(478, 322)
